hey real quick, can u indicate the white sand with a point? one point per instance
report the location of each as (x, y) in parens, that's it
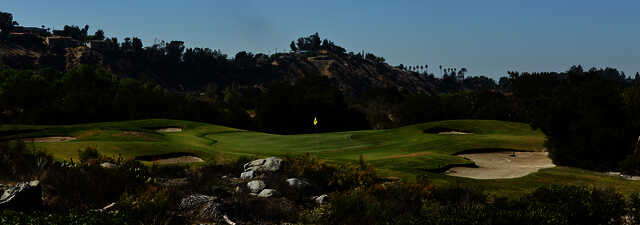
(170, 130)
(453, 133)
(501, 165)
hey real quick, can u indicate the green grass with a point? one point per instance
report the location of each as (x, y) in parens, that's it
(404, 152)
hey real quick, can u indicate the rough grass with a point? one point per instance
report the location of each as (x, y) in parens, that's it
(404, 152)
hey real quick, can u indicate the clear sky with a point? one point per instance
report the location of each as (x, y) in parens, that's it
(487, 37)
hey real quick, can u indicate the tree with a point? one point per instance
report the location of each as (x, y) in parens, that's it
(293, 47)
(99, 35)
(88, 93)
(175, 50)
(6, 25)
(315, 41)
(136, 44)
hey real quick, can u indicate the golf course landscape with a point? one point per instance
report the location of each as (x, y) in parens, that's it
(410, 152)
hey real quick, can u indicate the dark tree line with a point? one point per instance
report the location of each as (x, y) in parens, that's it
(584, 114)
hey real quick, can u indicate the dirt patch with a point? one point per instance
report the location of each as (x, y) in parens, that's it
(49, 139)
(453, 133)
(181, 159)
(171, 158)
(501, 165)
(445, 131)
(169, 129)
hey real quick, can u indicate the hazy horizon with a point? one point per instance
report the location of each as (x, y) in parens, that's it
(486, 38)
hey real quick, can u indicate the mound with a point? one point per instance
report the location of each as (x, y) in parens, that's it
(49, 139)
(171, 158)
(445, 131)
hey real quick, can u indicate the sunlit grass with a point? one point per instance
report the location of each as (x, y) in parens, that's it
(405, 152)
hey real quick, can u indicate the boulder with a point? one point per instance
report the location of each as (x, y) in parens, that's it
(271, 164)
(201, 206)
(247, 175)
(297, 183)
(322, 199)
(22, 196)
(109, 165)
(267, 193)
(256, 186)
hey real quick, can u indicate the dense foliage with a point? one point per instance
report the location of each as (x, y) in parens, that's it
(584, 115)
(368, 200)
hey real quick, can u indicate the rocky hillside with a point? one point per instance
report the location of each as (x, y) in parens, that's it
(350, 73)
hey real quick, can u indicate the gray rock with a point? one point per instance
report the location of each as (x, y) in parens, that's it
(22, 196)
(201, 206)
(247, 175)
(256, 186)
(271, 164)
(322, 199)
(297, 183)
(267, 193)
(109, 165)
(109, 208)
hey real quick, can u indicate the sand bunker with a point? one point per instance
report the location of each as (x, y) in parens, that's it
(171, 158)
(445, 131)
(49, 139)
(500, 165)
(169, 129)
(453, 133)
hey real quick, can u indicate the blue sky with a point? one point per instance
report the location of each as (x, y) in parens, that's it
(487, 37)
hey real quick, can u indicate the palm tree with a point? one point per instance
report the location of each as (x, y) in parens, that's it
(441, 69)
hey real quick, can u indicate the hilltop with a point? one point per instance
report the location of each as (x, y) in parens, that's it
(185, 69)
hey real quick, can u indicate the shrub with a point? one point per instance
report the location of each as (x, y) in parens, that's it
(456, 194)
(89, 153)
(580, 205)
(379, 204)
(91, 186)
(17, 162)
(150, 204)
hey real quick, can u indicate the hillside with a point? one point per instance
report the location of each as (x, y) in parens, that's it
(352, 73)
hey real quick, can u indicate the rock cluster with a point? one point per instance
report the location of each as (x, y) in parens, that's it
(22, 196)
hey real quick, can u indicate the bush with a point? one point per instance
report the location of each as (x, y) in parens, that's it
(151, 205)
(89, 153)
(379, 204)
(91, 186)
(458, 194)
(17, 162)
(580, 205)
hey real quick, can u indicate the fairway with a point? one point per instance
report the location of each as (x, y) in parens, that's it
(406, 152)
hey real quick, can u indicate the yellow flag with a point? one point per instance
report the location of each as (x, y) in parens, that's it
(315, 121)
